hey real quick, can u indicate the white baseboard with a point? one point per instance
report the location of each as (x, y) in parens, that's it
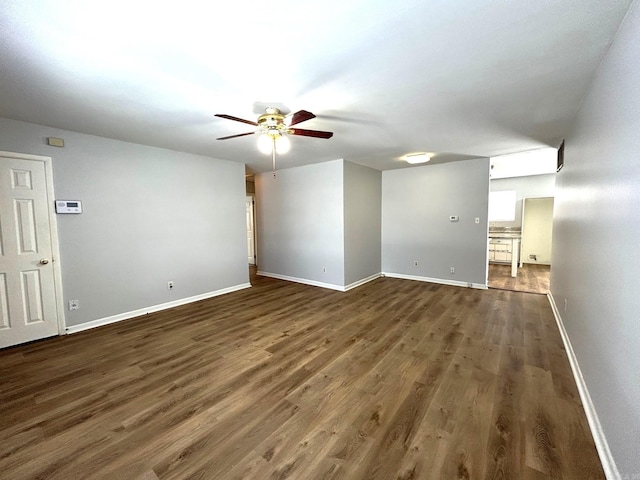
(304, 281)
(608, 463)
(454, 283)
(362, 281)
(156, 308)
(314, 283)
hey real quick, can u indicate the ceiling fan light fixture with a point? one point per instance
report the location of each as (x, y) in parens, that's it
(418, 157)
(265, 144)
(283, 144)
(267, 140)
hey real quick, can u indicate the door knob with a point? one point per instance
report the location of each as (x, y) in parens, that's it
(44, 261)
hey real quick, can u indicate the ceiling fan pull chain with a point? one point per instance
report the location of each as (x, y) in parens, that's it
(273, 156)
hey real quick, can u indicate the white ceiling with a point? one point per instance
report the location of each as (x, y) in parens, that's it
(461, 79)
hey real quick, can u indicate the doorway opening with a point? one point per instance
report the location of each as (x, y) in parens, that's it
(533, 251)
(250, 207)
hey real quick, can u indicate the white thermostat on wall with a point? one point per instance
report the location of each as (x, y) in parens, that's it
(453, 218)
(68, 206)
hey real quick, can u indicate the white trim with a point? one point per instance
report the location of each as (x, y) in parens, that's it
(362, 281)
(454, 283)
(314, 283)
(304, 281)
(156, 308)
(606, 458)
(254, 261)
(53, 230)
(55, 245)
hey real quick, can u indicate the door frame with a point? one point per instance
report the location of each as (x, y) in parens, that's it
(255, 233)
(53, 230)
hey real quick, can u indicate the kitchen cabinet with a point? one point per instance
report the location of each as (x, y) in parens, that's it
(500, 250)
(505, 250)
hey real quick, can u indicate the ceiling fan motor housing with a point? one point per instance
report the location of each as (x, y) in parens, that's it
(272, 122)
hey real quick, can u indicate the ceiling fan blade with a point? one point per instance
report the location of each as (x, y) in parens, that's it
(310, 133)
(301, 116)
(234, 136)
(229, 117)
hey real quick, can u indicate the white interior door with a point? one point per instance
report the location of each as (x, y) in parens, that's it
(251, 237)
(28, 305)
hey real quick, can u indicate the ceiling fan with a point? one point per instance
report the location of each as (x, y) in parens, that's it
(273, 128)
(275, 122)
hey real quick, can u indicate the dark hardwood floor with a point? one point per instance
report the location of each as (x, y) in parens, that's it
(531, 278)
(396, 379)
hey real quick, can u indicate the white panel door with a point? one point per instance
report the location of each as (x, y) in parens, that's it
(28, 307)
(251, 237)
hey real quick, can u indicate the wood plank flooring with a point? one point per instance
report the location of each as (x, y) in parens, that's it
(395, 379)
(531, 278)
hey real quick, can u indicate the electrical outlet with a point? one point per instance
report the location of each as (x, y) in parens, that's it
(74, 304)
(453, 269)
(415, 263)
(477, 219)
(170, 285)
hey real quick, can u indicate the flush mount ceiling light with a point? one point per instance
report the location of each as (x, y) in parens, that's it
(418, 157)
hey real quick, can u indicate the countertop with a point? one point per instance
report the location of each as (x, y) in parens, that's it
(505, 233)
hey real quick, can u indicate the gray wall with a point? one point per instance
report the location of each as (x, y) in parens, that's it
(362, 222)
(150, 215)
(416, 205)
(300, 217)
(530, 186)
(596, 260)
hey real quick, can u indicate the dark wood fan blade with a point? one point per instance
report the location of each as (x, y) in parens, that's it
(229, 117)
(310, 133)
(301, 116)
(234, 136)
